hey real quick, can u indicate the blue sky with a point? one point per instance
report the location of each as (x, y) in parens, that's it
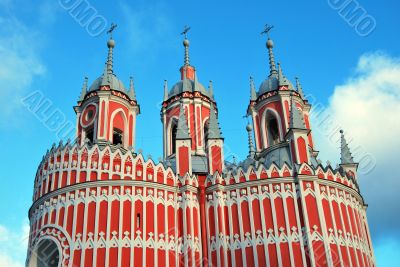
(355, 78)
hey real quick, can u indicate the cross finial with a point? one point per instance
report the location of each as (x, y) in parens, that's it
(112, 28)
(185, 31)
(267, 29)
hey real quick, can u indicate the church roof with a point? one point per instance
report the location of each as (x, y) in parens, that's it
(187, 85)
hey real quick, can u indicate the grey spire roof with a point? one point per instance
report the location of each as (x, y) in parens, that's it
(187, 85)
(211, 89)
(272, 66)
(196, 83)
(253, 94)
(108, 78)
(131, 92)
(249, 130)
(345, 154)
(299, 88)
(214, 131)
(283, 81)
(165, 90)
(182, 131)
(84, 89)
(296, 118)
(108, 70)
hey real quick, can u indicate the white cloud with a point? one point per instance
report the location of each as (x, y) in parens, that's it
(367, 107)
(13, 245)
(20, 49)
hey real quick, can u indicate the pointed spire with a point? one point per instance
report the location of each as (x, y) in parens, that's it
(165, 90)
(299, 88)
(345, 154)
(253, 94)
(211, 89)
(186, 44)
(195, 83)
(182, 131)
(281, 78)
(108, 69)
(296, 118)
(272, 66)
(110, 45)
(131, 92)
(84, 89)
(214, 131)
(249, 130)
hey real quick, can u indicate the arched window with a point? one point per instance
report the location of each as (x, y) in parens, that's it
(205, 139)
(272, 129)
(118, 136)
(46, 254)
(174, 129)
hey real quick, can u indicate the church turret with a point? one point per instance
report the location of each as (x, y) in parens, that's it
(297, 134)
(274, 108)
(183, 144)
(190, 94)
(106, 111)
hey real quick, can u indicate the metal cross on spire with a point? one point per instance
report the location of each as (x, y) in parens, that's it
(112, 28)
(185, 31)
(267, 29)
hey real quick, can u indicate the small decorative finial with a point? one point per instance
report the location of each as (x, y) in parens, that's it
(165, 90)
(84, 89)
(131, 92)
(299, 88)
(211, 89)
(253, 94)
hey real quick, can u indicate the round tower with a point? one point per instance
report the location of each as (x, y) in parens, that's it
(106, 111)
(280, 115)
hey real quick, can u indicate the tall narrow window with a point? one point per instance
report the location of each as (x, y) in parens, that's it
(117, 136)
(205, 139)
(138, 220)
(272, 130)
(173, 137)
(90, 134)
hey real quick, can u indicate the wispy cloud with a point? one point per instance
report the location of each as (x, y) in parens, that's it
(367, 106)
(20, 53)
(13, 245)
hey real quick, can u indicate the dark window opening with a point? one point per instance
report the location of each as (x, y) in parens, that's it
(272, 131)
(49, 186)
(138, 220)
(205, 139)
(117, 136)
(46, 254)
(90, 134)
(173, 134)
(89, 115)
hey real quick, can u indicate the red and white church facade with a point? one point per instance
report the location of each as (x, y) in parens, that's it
(98, 201)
